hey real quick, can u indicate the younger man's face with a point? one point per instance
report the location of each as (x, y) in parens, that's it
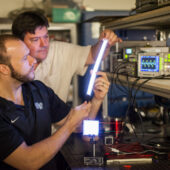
(21, 63)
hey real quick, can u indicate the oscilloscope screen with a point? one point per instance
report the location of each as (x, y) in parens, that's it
(150, 63)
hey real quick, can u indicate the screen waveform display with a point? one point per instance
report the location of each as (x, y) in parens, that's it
(150, 63)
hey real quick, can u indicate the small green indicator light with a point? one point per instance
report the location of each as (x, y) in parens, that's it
(168, 55)
(160, 66)
(126, 56)
(165, 60)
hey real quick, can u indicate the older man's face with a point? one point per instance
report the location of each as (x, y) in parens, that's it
(38, 43)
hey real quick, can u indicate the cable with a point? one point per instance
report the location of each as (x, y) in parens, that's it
(120, 66)
(125, 153)
(134, 97)
(131, 95)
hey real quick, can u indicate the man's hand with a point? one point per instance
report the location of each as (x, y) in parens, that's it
(112, 40)
(78, 114)
(101, 86)
(110, 36)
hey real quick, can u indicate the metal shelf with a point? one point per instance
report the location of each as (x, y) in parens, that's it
(155, 19)
(158, 87)
(158, 18)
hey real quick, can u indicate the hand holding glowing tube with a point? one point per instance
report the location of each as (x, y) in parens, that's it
(95, 68)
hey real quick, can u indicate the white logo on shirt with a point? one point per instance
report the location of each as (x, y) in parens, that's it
(38, 105)
(13, 121)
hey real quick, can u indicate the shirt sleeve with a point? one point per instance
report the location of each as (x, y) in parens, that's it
(9, 139)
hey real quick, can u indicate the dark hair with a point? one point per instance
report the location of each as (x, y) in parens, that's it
(4, 58)
(28, 22)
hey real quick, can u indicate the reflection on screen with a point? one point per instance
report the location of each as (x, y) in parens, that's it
(149, 63)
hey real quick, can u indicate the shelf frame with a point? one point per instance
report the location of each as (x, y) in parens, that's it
(158, 18)
(158, 87)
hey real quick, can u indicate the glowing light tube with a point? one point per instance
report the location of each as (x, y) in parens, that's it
(96, 67)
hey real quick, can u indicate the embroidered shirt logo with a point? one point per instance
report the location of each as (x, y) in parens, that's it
(14, 120)
(38, 105)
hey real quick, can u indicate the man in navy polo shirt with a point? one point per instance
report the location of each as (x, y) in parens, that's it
(28, 108)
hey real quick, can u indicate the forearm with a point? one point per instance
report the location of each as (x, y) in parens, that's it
(112, 39)
(43, 152)
(101, 88)
(94, 52)
(95, 106)
(49, 147)
(37, 155)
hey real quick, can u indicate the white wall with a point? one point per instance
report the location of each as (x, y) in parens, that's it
(8, 5)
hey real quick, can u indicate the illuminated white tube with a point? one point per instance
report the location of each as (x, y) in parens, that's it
(96, 67)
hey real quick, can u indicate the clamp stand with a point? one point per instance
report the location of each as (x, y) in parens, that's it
(93, 160)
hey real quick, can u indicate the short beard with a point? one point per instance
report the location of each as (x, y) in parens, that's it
(38, 60)
(18, 76)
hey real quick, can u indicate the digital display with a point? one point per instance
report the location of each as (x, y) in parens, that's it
(149, 63)
(91, 127)
(128, 50)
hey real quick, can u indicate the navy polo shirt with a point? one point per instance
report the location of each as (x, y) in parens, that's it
(32, 122)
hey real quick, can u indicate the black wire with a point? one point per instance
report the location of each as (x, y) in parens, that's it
(114, 80)
(117, 77)
(129, 105)
(130, 95)
(157, 77)
(123, 88)
(134, 97)
(132, 105)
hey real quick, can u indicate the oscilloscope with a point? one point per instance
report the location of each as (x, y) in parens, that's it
(150, 64)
